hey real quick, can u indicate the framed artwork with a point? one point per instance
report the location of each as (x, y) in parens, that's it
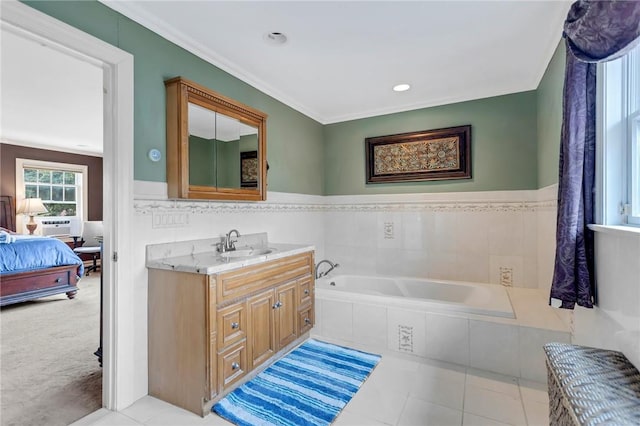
(249, 169)
(418, 156)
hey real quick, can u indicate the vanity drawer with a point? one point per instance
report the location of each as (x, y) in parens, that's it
(306, 319)
(251, 279)
(232, 364)
(232, 324)
(305, 291)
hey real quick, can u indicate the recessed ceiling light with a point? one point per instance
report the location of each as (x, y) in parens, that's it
(401, 87)
(275, 38)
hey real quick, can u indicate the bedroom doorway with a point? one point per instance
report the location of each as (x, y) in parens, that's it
(117, 72)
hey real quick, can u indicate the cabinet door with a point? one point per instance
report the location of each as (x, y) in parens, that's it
(286, 314)
(261, 331)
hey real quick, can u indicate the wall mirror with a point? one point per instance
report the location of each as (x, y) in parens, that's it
(216, 146)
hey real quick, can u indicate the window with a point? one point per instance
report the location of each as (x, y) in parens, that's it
(618, 145)
(62, 187)
(58, 189)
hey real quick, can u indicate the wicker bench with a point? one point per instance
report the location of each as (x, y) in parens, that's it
(589, 386)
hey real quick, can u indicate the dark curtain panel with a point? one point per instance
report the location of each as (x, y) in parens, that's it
(594, 31)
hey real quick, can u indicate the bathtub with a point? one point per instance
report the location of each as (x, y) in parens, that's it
(418, 294)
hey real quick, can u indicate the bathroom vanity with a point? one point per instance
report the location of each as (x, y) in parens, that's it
(217, 319)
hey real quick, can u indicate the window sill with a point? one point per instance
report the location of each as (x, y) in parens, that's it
(616, 230)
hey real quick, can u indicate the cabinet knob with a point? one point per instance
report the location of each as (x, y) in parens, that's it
(235, 366)
(307, 321)
(277, 305)
(235, 325)
(58, 280)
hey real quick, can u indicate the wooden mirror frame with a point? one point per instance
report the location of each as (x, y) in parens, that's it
(181, 92)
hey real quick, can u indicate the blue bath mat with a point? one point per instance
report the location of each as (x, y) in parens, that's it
(309, 386)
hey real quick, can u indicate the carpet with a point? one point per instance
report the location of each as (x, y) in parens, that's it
(309, 386)
(49, 375)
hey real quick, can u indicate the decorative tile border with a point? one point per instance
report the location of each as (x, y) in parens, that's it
(151, 199)
(143, 207)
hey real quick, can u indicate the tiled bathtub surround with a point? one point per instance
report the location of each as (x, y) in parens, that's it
(490, 237)
(502, 345)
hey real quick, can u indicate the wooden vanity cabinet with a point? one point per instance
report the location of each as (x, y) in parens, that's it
(210, 333)
(182, 338)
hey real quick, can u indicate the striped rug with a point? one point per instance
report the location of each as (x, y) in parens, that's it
(309, 386)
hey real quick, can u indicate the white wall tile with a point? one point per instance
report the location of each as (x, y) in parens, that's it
(506, 233)
(442, 265)
(370, 325)
(392, 239)
(494, 347)
(447, 338)
(530, 233)
(618, 281)
(530, 271)
(413, 237)
(337, 320)
(444, 237)
(472, 232)
(531, 354)
(473, 267)
(406, 331)
(410, 263)
(516, 263)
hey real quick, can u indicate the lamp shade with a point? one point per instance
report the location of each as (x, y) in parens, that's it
(32, 206)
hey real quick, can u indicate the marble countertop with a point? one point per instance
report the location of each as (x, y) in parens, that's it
(210, 261)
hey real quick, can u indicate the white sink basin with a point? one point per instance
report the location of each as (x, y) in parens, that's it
(246, 253)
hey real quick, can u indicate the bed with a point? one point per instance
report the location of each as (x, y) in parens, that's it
(33, 267)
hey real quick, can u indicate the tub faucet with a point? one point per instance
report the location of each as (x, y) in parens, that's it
(332, 266)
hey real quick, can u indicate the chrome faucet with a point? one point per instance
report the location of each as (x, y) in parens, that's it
(229, 244)
(332, 266)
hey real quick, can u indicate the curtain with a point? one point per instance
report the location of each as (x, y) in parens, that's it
(594, 31)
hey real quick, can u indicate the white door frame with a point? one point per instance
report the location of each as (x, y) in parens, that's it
(117, 177)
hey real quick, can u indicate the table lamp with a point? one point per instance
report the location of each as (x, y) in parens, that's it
(32, 207)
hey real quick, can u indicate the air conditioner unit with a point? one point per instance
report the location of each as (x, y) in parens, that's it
(56, 227)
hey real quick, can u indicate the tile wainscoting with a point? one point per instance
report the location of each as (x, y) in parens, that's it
(497, 237)
(440, 235)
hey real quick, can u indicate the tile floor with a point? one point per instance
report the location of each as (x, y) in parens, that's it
(402, 390)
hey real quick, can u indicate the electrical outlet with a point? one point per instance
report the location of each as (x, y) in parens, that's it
(506, 276)
(170, 219)
(388, 231)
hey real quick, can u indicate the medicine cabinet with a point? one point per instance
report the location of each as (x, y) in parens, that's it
(216, 146)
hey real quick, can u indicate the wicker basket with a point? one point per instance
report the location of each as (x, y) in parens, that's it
(590, 386)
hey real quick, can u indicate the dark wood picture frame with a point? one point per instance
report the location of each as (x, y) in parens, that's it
(248, 169)
(419, 156)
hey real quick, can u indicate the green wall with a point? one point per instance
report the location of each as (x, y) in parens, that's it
(294, 140)
(515, 138)
(550, 118)
(503, 147)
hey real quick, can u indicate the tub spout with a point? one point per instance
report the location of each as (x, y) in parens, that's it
(332, 266)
